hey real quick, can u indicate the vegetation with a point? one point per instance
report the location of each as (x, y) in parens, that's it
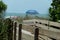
(3, 8)
(3, 27)
(5, 24)
(8, 29)
(19, 19)
(55, 10)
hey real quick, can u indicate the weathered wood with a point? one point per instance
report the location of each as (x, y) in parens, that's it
(44, 32)
(20, 32)
(15, 25)
(51, 23)
(51, 34)
(46, 28)
(36, 33)
(12, 30)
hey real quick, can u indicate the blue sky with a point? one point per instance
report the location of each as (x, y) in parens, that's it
(21, 6)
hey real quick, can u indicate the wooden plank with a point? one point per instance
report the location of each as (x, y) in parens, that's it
(51, 34)
(50, 23)
(48, 28)
(43, 22)
(27, 37)
(54, 33)
(55, 24)
(44, 37)
(45, 32)
(30, 36)
(43, 27)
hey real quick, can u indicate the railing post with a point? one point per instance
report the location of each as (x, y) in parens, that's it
(20, 32)
(14, 33)
(36, 33)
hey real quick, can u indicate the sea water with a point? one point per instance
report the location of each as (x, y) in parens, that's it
(24, 14)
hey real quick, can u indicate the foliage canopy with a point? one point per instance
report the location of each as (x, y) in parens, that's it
(3, 6)
(54, 10)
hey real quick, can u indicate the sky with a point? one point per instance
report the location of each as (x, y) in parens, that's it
(21, 6)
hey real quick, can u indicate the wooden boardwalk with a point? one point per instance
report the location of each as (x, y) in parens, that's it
(46, 28)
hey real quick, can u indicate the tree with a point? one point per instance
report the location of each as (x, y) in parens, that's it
(3, 7)
(55, 10)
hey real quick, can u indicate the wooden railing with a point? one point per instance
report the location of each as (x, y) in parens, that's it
(39, 28)
(47, 28)
(20, 32)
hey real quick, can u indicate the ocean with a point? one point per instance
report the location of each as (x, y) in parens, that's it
(24, 14)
